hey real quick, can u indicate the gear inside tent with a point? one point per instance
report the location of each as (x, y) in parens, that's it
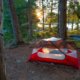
(52, 51)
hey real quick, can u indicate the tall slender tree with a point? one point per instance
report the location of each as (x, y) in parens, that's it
(62, 30)
(77, 11)
(51, 14)
(15, 22)
(42, 6)
(30, 9)
(2, 68)
(72, 12)
(43, 12)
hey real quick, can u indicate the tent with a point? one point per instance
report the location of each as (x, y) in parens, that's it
(55, 53)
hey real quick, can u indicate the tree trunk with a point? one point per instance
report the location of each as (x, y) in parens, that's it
(30, 24)
(62, 19)
(77, 27)
(43, 13)
(50, 29)
(29, 15)
(2, 68)
(72, 25)
(51, 15)
(15, 22)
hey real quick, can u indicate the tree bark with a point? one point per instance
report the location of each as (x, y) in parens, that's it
(77, 26)
(62, 30)
(29, 15)
(30, 24)
(72, 24)
(15, 22)
(43, 13)
(51, 11)
(2, 67)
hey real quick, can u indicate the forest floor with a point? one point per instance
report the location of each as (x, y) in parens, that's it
(17, 67)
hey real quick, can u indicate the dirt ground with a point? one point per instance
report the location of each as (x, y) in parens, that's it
(17, 67)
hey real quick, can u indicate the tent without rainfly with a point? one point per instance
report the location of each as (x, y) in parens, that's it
(55, 53)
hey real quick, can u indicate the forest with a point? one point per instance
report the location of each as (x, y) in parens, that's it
(29, 20)
(23, 22)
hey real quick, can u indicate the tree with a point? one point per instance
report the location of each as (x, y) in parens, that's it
(62, 30)
(2, 69)
(43, 12)
(77, 11)
(51, 14)
(71, 12)
(30, 10)
(50, 19)
(15, 22)
(74, 12)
